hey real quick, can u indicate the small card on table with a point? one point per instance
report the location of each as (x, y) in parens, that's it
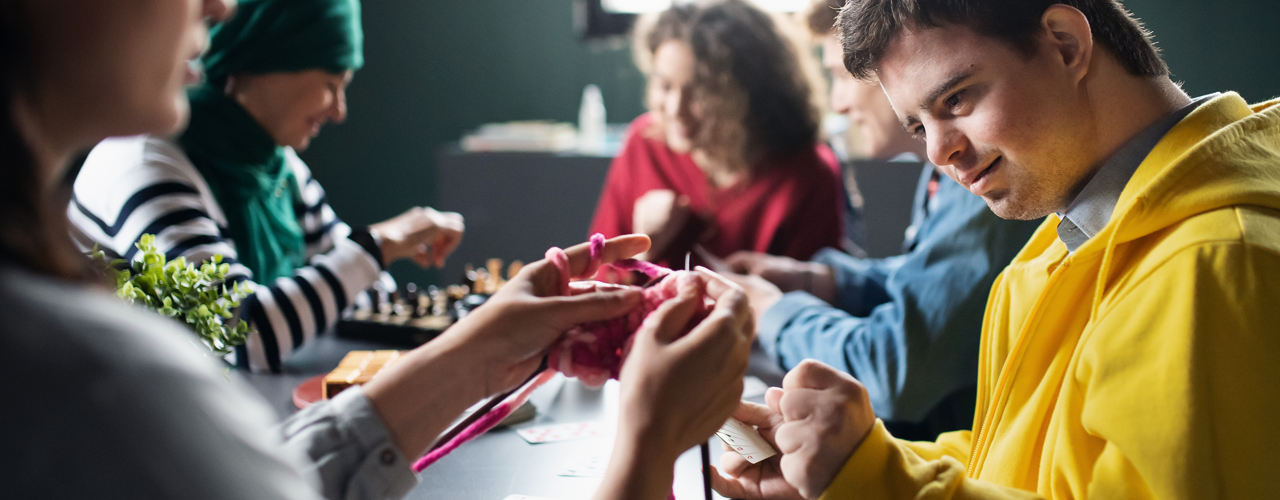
(561, 432)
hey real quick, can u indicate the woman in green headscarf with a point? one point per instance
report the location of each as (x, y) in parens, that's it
(232, 184)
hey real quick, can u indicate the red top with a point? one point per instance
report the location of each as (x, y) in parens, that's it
(792, 208)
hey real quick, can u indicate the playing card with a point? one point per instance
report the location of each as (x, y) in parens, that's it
(745, 440)
(592, 466)
(562, 432)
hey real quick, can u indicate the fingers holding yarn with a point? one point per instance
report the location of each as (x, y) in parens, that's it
(581, 287)
(604, 304)
(614, 249)
(671, 319)
(551, 276)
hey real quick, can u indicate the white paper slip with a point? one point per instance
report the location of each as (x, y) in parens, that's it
(745, 440)
(524, 497)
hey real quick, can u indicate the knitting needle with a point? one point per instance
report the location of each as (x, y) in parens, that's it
(488, 406)
(706, 448)
(706, 470)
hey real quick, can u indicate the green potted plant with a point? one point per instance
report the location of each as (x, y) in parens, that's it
(199, 297)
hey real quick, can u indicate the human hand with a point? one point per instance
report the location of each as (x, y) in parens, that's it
(423, 234)
(787, 274)
(826, 415)
(660, 213)
(760, 293)
(763, 480)
(678, 390)
(517, 324)
(497, 346)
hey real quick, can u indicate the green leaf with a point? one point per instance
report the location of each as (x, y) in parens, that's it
(179, 289)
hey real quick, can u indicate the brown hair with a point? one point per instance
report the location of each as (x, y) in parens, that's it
(868, 27)
(820, 15)
(34, 231)
(748, 80)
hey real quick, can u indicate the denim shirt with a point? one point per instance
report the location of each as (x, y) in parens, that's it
(908, 326)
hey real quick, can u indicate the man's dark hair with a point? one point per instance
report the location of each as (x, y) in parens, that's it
(868, 27)
(821, 16)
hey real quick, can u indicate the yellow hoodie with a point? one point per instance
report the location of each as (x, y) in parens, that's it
(1144, 365)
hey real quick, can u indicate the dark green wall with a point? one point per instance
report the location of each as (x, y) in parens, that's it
(1218, 45)
(436, 69)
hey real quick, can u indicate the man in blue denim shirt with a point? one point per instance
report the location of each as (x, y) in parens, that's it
(908, 326)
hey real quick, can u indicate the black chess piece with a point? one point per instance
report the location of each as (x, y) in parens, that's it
(411, 300)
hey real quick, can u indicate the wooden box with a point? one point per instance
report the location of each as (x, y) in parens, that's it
(356, 368)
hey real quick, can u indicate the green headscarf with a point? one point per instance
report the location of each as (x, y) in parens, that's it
(245, 168)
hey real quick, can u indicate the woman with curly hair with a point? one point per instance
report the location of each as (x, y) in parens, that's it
(727, 156)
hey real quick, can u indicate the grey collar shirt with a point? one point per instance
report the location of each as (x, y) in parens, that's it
(1092, 208)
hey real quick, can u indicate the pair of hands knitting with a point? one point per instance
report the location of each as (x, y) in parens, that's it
(676, 390)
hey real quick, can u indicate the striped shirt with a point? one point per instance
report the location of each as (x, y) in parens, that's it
(146, 185)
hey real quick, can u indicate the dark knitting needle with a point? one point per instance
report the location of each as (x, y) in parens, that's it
(488, 406)
(706, 470)
(706, 448)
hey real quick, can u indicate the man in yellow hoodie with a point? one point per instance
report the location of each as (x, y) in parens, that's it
(1130, 350)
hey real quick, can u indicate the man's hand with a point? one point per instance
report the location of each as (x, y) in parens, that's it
(421, 233)
(826, 415)
(787, 274)
(763, 480)
(761, 293)
(660, 214)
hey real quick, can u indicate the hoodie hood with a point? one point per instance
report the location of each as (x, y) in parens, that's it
(1222, 154)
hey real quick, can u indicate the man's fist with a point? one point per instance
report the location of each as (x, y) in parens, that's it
(826, 415)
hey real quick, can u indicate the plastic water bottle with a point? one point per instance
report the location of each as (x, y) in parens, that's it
(591, 121)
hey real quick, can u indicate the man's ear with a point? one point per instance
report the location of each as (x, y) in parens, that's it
(1070, 38)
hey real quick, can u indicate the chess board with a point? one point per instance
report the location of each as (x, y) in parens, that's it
(411, 317)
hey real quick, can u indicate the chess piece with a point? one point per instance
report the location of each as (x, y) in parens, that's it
(411, 299)
(495, 282)
(514, 269)
(469, 276)
(482, 282)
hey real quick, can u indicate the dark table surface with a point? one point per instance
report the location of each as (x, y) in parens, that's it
(500, 463)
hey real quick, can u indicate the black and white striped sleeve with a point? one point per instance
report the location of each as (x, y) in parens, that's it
(145, 185)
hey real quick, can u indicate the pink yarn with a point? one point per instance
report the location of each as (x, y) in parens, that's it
(593, 352)
(485, 423)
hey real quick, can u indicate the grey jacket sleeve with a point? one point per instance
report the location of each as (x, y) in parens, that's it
(349, 449)
(126, 404)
